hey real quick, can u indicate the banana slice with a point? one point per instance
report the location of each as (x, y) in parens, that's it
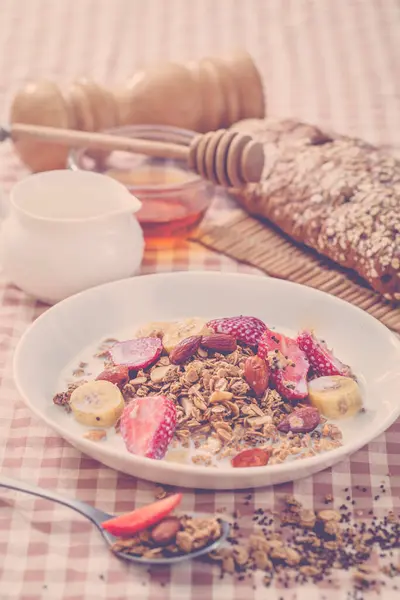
(154, 329)
(97, 403)
(336, 397)
(182, 330)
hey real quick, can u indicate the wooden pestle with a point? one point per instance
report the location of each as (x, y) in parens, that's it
(201, 96)
(226, 158)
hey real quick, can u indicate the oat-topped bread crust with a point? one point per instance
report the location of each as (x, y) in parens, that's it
(336, 194)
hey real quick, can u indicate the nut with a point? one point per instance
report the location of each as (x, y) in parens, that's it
(219, 342)
(219, 396)
(184, 541)
(138, 381)
(118, 375)
(158, 373)
(241, 555)
(228, 565)
(95, 435)
(185, 349)
(301, 420)
(256, 373)
(292, 557)
(261, 560)
(328, 515)
(164, 361)
(191, 376)
(165, 531)
(331, 528)
(307, 519)
(259, 421)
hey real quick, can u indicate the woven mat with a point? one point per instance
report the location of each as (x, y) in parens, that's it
(260, 245)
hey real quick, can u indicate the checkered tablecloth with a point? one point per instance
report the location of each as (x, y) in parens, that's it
(332, 62)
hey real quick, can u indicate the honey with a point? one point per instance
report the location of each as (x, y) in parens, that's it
(174, 200)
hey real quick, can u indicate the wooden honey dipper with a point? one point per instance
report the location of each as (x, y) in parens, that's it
(226, 158)
(201, 96)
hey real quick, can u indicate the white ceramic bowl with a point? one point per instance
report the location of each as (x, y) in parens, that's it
(65, 334)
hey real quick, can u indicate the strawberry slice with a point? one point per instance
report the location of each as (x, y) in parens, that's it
(269, 341)
(136, 354)
(147, 425)
(244, 329)
(142, 517)
(118, 375)
(320, 357)
(291, 380)
(289, 377)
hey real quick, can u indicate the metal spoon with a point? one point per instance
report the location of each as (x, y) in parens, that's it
(98, 516)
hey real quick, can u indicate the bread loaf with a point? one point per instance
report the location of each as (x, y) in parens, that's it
(336, 194)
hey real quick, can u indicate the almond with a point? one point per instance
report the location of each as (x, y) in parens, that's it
(219, 342)
(165, 531)
(158, 373)
(256, 373)
(118, 375)
(185, 349)
(301, 420)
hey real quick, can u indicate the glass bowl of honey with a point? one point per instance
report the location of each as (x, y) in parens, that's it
(174, 198)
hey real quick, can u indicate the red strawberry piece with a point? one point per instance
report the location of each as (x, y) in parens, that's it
(244, 329)
(142, 517)
(147, 425)
(290, 379)
(269, 341)
(118, 375)
(136, 354)
(320, 357)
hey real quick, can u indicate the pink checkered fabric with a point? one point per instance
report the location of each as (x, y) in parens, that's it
(330, 62)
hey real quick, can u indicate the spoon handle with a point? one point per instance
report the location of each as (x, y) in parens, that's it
(93, 514)
(103, 141)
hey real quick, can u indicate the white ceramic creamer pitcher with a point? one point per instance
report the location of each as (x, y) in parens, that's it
(67, 231)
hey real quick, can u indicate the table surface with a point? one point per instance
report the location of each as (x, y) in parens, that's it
(331, 62)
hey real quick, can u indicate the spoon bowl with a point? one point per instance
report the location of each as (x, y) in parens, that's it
(97, 517)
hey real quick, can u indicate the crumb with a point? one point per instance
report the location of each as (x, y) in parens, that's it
(95, 435)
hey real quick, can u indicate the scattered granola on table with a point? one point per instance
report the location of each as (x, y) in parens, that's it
(228, 391)
(287, 548)
(297, 546)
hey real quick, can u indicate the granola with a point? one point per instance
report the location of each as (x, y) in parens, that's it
(226, 396)
(193, 533)
(297, 546)
(217, 412)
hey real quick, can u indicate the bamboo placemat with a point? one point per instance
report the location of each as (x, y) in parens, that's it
(259, 244)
